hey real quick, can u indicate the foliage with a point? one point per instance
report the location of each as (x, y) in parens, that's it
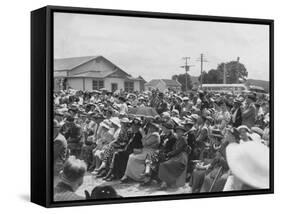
(181, 78)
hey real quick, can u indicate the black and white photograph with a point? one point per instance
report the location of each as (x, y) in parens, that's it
(147, 107)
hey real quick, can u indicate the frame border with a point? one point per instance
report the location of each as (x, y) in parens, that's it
(49, 21)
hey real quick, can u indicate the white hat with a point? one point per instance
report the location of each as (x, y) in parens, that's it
(185, 98)
(165, 114)
(249, 162)
(243, 127)
(115, 121)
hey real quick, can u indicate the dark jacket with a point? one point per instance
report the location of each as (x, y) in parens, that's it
(236, 120)
(249, 116)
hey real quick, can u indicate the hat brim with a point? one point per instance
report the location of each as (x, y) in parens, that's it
(249, 162)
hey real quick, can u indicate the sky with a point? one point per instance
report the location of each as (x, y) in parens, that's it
(154, 48)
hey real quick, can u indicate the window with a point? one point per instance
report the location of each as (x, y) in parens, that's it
(98, 84)
(129, 86)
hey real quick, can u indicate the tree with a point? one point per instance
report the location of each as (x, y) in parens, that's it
(181, 78)
(234, 72)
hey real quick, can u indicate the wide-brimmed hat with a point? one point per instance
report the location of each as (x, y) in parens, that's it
(136, 121)
(216, 133)
(188, 121)
(105, 124)
(98, 116)
(180, 127)
(249, 162)
(123, 99)
(155, 126)
(168, 125)
(252, 97)
(185, 99)
(115, 121)
(257, 130)
(124, 120)
(243, 127)
(166, 114)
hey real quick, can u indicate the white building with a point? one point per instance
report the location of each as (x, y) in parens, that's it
(93, 73)
(162, 84)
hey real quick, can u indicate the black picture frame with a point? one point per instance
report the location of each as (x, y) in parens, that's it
(41, 102)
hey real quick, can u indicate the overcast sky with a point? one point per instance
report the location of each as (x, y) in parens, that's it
(153, 48)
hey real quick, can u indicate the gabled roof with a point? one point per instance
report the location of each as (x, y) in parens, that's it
(72, 62)
(171, 83)
(168, 82)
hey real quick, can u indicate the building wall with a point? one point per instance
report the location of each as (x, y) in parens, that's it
(76, 83)
(118, 81)
(137, 85)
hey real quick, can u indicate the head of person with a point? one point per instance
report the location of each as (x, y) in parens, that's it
(188, 124)
(180, 131)
(167, 128)
(251, 98)
(73, 172)
(108, 113)
(102, 192)
(153, 127)
(216, 136)
(98, 118)
(136, 125)
(125, 122)
(115, 123)
(56, 128)
(243, 131)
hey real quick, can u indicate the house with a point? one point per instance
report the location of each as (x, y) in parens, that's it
(93, 73)
(162, 84)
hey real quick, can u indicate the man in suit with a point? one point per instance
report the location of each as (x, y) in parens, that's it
(249, 114)
(236, 113)
(72, 177)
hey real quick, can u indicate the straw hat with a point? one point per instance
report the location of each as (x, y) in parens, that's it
(243, 127)
(115, 121)
(249, 162)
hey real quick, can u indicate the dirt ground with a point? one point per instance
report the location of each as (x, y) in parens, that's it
(131, 189)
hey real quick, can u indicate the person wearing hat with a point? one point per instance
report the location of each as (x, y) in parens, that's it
(136, 162)
(60, 150)
(161, 105)
(249, 113)
(102, 192)
(107, 150)
(122, 106)
(244, 134)
(236, 113)
(172, 172)
(75, 140)
(120, 156)
(72, 177)
(167, 142)
(249, 166)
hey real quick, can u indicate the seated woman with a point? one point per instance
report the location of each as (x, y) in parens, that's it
(120, 156)
(119, 143)
(110, 132)
(172, 172)
(210, 174)
(136, 163)
(167, 142)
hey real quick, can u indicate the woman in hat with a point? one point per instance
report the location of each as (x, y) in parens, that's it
(167, 142)
(119, 143)
(109, 136)
(244, 134)
(136, 163)
(172, 172)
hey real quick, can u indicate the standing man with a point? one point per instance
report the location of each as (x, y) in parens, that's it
(236, 113)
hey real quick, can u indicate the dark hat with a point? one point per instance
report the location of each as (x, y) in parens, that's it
(180, 127)
(123, 99)
(216, 133)
(70, 119)
(136, 121)
(155, 126)
(168, 125)
(98, 116)
(209, 118)
(104, 192)
(252, 97)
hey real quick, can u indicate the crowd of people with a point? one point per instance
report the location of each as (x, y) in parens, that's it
(211, 141)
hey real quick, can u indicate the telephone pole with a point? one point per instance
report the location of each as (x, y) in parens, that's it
(186, 68)
(202, 60)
